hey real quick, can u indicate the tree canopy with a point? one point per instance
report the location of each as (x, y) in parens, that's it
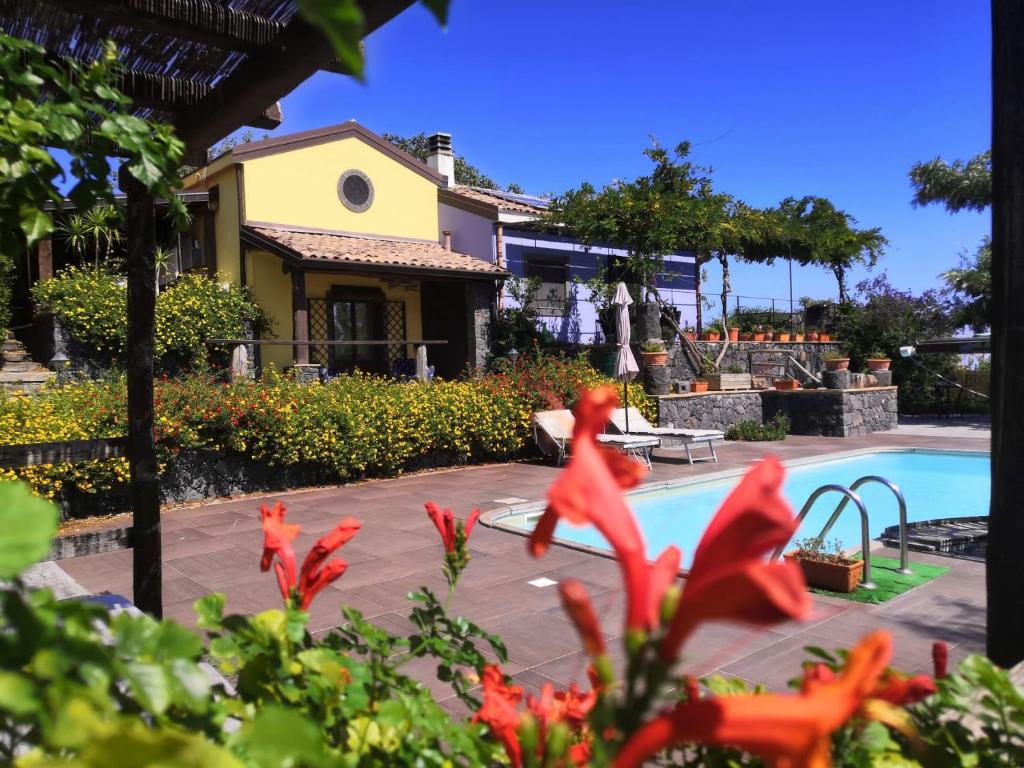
(959, 185)
(465, 172)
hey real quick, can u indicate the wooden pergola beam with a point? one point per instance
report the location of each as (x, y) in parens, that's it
(266, 77)
(199, 21)
(178, 96)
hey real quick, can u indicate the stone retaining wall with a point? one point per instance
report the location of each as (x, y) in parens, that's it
(811, 355)
(823, 412)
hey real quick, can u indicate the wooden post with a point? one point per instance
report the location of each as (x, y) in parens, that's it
(1004, 573)
(44, 256)
(145, 483)
(300, 316)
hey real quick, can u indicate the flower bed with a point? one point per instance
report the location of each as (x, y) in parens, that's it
(356, 426)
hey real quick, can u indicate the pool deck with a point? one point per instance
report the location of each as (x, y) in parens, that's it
(215, 546)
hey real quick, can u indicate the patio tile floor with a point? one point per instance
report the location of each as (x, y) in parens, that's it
(215, 547)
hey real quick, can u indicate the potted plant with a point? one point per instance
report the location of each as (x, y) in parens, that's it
(713, 332)
(836, 361)
(782, 336)
(745, 336)
(825, 566)
(877, 361)
(824, 336)
(654, 352)
(699, 385)
(812, 334)
(690, 333)
(798, 337)
(787, 385)
(769, 333)
(734, 332)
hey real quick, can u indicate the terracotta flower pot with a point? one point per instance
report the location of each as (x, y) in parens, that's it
(691, 335)
(787, 385)
(782, 336)
(743, 337)
(835, 577)
(879, 363)
(699, 385)
(655, 358)
(769, 335)
(813, 336)
(824, 337)
(798, 338)
(759, 337)
(734, 334)
(837, 364)
(712, 336)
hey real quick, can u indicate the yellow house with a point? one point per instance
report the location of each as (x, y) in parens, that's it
(336, 233)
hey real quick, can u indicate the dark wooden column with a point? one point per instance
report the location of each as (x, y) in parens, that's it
(1005, 566)
(145, 483)
(44, 258)
(300, 315)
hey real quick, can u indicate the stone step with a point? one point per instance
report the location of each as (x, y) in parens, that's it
(20, 366)
(14, 357)
(26, 377)
(12, 346)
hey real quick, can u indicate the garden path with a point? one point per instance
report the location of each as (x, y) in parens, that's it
(215, 546)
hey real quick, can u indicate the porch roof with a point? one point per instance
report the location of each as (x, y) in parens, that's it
(366, 253)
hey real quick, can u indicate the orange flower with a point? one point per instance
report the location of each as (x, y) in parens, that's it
(903, 690)
(785, 731)
(589, 491)
(729, 579)
(577, 605)
(499, 712)
(277, 543)
(445, 523)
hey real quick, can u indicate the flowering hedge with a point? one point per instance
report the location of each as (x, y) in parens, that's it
(80, 687)
(353, 427)
(92, 306)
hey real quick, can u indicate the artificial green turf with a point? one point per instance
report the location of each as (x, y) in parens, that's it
(890, 582)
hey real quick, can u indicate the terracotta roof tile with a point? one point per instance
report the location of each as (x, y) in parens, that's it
(503, 203)
(406, 254)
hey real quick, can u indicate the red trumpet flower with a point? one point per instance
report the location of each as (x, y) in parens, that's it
(314, 576)
(903, 690)
(785, 731)
(589, 491)
(500, 712)
(446, 525)
(729, 579)
(577, 605)
(940, 659)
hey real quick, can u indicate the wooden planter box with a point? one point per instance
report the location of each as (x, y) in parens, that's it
(835, 577)
(723, 382)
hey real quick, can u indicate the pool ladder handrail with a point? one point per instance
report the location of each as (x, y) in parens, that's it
(850, 494)
(904, 553)
(865, 537)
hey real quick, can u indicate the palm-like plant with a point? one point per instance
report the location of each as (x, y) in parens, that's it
(103, 224)
(75, 233)
(162, 258)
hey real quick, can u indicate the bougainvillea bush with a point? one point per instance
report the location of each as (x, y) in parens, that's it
(80, 687)
(92, 306)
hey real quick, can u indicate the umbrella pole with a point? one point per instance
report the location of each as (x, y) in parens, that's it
(625, 397)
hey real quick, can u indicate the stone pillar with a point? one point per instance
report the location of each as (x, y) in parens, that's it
(300, 316)
(479, 321)
(657, 379)
(44, 256)
(648, 321)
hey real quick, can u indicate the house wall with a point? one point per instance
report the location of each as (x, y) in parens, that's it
(226, 223)
(299, 188)
(579, 324)
(471, 232)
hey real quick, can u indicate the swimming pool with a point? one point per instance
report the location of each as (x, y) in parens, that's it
(935, 484)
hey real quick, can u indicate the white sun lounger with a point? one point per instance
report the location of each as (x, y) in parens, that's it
(552, 431)
(669, 437)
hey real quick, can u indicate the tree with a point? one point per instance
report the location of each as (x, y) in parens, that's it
(813, 232)
(970, 289)
(958, 186)
(465, 173)
(1004, 572)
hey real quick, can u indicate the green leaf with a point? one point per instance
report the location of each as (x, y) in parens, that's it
(341, 21)
(210, 610)
(439, 8)
(17, 694)
(29, 524)
(149, 683)
(279, 737)
(35, 223)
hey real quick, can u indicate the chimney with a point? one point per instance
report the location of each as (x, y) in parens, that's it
(447, 235)
(440, 157)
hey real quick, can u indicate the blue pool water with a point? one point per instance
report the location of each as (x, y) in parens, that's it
(935, 485)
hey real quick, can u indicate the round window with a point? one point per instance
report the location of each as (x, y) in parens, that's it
(355, 190)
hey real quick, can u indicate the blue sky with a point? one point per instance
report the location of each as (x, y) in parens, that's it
(780, 98)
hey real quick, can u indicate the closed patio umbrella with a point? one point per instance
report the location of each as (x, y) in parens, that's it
(625, 364)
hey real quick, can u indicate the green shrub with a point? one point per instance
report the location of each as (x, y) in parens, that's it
(92, 306)
(755, 431)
